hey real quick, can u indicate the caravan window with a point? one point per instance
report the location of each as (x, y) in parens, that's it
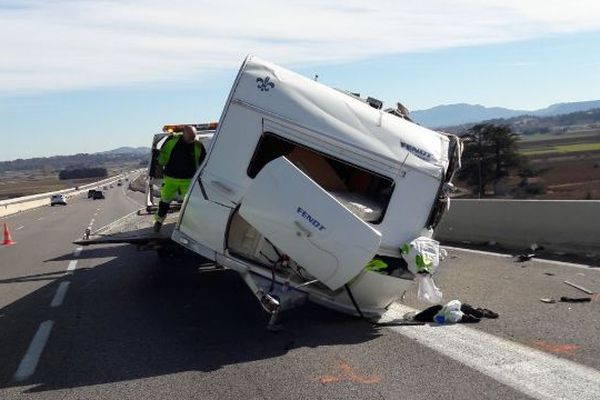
(364, 193)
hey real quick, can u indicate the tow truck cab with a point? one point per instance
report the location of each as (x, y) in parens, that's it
(204, 131)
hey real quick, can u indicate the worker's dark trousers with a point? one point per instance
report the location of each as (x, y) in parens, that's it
(163, 209)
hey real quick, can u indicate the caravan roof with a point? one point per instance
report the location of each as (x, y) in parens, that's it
(340, 117)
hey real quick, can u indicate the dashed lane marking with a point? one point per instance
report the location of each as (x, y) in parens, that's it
(72, 266)
(59, 296)
(530, 371)
(19, 228)
(32, 356)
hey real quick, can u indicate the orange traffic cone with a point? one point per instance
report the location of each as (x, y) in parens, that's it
(7, 239)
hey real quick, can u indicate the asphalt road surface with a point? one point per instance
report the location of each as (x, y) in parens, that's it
(108, 322)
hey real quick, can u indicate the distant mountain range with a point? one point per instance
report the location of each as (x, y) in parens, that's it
(127, 150)
(81, 160)
(460, 114)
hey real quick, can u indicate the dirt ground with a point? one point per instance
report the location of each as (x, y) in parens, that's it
(575, 178)
(19, 184)
(24, 183)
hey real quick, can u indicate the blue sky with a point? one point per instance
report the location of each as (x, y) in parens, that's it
(92, 76)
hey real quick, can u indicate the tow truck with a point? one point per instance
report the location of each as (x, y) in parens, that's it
(310, 193)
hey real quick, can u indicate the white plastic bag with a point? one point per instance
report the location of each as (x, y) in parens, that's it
(422, 255)
(427, 291)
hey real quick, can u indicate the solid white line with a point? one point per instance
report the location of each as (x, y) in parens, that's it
(59, 296)
(34, 351)
(535, 259)
(72, 265)
(21, 227)
(529, 371)
(487, 253)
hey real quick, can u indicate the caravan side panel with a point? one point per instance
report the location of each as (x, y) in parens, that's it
(224, 176)
(204, 221)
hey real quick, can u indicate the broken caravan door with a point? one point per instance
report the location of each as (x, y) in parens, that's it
(301, 219)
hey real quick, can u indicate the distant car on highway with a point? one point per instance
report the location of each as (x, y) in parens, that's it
(105, 188)
(98, 195)
(58, 199)
(91, 193)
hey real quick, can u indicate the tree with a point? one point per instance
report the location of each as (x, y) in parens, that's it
(490, 150)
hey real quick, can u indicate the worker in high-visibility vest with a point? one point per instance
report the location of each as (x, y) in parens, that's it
(179, 156)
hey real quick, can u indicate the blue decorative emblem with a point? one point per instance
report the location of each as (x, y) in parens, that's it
(265, 84)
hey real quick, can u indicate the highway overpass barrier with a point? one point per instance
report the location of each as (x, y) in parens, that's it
(12, 206)
(570, 226)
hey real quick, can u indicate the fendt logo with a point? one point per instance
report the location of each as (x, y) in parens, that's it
(422, 154)
(313, 221)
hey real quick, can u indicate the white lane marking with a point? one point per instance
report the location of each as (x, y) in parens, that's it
(564, 263)
(59, 296)
(486, 253)
(34, 351)
(115, 222)
(535, 259)
(77, 251)
(537, 374)
(72, 266)
(21, 227)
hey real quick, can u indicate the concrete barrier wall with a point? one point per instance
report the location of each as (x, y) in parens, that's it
(558, 225)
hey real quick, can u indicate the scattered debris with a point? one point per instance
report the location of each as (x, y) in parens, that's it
(565, 299)
(525, 257)
(454, 311)
(579, 287)
(548, 300)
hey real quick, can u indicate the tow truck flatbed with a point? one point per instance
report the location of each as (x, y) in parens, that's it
(135, 228)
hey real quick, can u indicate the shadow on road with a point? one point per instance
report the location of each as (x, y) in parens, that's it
(127, 318)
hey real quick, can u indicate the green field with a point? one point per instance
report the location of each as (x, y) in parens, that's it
(562, 149)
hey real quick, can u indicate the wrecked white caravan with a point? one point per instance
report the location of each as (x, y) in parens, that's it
(304, 185)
